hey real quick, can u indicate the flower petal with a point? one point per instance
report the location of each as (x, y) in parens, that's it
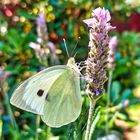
(90, 22)
(35, 46)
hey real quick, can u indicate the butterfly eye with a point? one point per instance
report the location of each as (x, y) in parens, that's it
(40, 92)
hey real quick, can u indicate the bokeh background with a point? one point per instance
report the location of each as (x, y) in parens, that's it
(31, 39)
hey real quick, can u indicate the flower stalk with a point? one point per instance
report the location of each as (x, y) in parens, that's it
(4, 96)
(111, 65)
(37, 126)
(89, 123)
(112, 48)
(108, 100)
(97, 60)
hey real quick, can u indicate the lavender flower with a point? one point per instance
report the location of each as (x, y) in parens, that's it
(35, 46)
(44, 49)
(41, 27)
(113, 43)
(100, 17)
(3, 75)
(3, 84)
(112, 48)
(52, 48)
(126, 103)
(98, 55)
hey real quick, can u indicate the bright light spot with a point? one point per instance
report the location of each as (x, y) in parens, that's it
(50, 8)
(46, 50)
(133, 3)
(129, 1)
(39, 40)
(8, 12)
(81, 28)
(3, 29)
(16, 113)
(24, 5)
(22, 19)
(15, 18)
(35, 10)
(58, 51)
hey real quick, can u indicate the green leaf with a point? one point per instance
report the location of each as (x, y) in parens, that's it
(123, 61)
(131, 123)
(26, 15)
(60, 32)
(1, 44)
(13, 38)
(137, 62)
(115, 90)
(121, 116)
(121, 69)
(125, 95)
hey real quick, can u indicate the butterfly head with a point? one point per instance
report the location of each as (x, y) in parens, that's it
(71, 63)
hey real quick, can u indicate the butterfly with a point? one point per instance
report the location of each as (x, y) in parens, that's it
(53, 93)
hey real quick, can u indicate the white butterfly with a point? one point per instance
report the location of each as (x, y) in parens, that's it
(53, 93)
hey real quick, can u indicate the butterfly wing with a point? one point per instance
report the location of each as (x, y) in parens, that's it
(31, 94)
(64, 100)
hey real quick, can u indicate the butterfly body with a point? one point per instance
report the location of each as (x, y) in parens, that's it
(53, 93)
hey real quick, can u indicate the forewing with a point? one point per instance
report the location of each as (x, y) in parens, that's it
(64, 100)
(31, 94)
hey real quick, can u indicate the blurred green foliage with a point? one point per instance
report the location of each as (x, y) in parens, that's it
(64, 20)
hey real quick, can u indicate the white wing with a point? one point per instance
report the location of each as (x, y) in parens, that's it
(31, 94)
(64, 105)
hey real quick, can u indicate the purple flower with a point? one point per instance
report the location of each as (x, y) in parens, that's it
(91, 22)
(108, 27)
(35, 46)
(97, 60)
(40, 20)
(99, 36)
(3, 75)
(100, 17)
(41, 27)
(44, 48)
(112, 48)
(113, 43)
(51, 46)
(126, 103)
(54, 57)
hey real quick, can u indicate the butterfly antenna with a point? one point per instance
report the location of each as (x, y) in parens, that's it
(75, 46)
(66, 47)
(75, 54)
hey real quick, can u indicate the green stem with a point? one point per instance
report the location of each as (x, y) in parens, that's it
(89, 122)
(8, 107)
(108, 100)
(1, 124)
(37, 126)
(10, 112)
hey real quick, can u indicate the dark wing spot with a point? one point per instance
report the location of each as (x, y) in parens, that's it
(46, 98)
(40, 92)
